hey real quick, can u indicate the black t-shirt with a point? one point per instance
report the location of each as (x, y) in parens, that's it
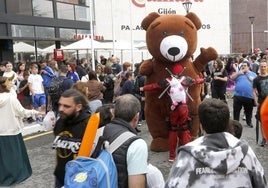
(261, 84)
(221, 74)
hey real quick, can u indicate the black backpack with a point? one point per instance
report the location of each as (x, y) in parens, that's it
(55, 88)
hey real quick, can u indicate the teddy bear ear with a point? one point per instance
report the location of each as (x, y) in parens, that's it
(193, 17)
(149, 19)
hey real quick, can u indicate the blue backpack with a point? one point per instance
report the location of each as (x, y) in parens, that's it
(97, 171)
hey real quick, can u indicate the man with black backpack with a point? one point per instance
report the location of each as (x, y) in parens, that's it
(131, 157)
(57, 86)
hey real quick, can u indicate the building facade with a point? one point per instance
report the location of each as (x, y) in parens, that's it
(44, 23)
(40, 23)
(241, 10)
(122, 19)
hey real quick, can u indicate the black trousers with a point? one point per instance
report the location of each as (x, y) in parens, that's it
(248, 105)
(218, 92)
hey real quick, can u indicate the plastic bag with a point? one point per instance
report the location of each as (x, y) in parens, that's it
(49, 121)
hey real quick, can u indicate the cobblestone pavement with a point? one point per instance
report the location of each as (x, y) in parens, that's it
(160, 159)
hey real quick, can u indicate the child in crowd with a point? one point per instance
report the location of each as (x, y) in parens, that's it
(36, 87)
(24, 94)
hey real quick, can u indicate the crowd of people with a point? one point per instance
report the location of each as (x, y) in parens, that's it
(242, 78)
(114, 90)
(32, 82)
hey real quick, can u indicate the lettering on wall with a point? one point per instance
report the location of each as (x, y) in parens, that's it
(138, 27)
(141, 3)
(127, 27)
(166, 11)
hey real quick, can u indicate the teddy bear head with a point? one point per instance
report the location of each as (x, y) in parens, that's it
(171, 38)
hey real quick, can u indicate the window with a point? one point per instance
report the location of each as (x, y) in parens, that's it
(24, 51)
(19, 7)
(80, 31)
(44, 32)
(22, 31)
(76, 2)
(43, 8)
(82, 13)
(67, 33)
(65, 11)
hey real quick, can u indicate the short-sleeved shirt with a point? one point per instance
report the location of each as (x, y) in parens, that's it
(244, 85)
(221, 74)
(137, 155)
(261, 84)
(37, 83)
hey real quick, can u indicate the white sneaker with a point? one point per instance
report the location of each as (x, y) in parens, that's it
(208, 96)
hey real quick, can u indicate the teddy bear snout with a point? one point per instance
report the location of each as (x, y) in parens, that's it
(173, 51)
(174, 48)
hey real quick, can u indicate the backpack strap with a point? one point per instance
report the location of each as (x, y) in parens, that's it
(119, 141)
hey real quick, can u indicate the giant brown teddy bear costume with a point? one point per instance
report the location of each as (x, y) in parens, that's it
(171, 40)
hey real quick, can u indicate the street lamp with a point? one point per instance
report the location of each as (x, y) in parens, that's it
(251, 19)
(187, 6)
(266, 51)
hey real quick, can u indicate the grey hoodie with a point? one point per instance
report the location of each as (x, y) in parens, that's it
(216, 160)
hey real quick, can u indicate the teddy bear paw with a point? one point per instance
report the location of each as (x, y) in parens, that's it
(209, 53)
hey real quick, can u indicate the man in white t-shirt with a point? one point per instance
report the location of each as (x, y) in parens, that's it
(131, 157)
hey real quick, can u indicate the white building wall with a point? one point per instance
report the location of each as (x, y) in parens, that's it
(214, 15)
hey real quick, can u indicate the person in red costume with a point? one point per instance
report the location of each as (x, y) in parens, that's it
(179, 113)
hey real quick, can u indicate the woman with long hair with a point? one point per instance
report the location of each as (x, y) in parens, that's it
(95, 91)
(72, 74)
(219, 80)
(128, 85)
(20, 71)
(108, 82)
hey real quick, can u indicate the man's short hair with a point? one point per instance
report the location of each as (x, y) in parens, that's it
(247, 62)
(63, 68)
(83, 60)
(126, 107)
(214, 115)
(253, 57)
(77, 96)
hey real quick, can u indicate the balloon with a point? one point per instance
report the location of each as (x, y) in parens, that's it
(264, 117)
(89, 135)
